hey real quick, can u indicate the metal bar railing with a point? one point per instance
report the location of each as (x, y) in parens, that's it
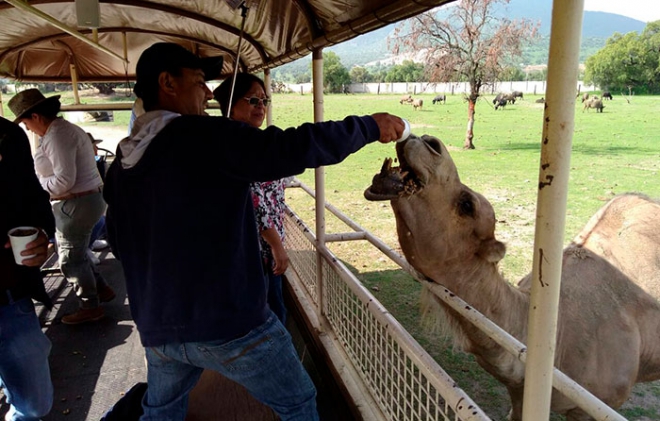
(405, 382)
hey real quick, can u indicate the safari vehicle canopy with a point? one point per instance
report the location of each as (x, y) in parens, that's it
(41, 39)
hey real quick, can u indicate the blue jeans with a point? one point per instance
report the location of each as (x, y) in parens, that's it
(24, 371)
(98, 231)
(264, 361)
(74, 220)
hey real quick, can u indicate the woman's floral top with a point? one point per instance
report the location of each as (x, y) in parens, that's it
(268, 201)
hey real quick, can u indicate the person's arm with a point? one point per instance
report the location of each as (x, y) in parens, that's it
(252, 154)
(263, 195)
(280, 257)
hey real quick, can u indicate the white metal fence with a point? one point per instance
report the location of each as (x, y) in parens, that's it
(451, 88)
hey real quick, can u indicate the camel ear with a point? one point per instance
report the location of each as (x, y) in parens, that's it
(492, 250)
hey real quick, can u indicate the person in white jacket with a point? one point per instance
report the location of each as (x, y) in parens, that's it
(66, 168)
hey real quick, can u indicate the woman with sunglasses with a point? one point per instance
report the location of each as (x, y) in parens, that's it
(248, 105)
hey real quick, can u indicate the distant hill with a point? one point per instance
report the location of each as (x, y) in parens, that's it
(597, 27)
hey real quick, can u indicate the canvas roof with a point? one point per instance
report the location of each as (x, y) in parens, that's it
(275, 32)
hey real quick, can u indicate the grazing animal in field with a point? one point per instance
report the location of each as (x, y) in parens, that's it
(585, 97)
(594, 103)
(499, 103)
(440, 98)
(417, 104)
(540, 100)
(509, 98)
(407, 99)
(608, 328)
(607, 95)
(517, 94)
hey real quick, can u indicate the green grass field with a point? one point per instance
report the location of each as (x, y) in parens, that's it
(614, 152)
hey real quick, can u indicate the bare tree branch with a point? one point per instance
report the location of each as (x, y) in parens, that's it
(466, 41)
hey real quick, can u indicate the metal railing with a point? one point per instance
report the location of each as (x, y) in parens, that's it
(394, 372)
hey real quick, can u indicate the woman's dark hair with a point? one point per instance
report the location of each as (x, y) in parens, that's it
(48, 109)
(244, 82)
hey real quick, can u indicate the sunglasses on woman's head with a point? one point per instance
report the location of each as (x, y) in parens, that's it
(254, 101)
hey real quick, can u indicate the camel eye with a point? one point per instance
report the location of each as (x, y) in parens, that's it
(465, 205)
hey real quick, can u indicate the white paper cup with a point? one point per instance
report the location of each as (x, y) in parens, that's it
(18, 242)
(406, 131)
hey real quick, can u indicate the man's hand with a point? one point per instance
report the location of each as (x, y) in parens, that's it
(39, 247)
(391, 127)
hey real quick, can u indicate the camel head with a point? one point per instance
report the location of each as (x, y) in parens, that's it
(444, 227)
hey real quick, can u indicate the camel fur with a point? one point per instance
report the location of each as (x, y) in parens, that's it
(608, 335)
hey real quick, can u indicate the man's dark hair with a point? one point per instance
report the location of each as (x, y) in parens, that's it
(148, 90)
(244, 82)
(48, 109)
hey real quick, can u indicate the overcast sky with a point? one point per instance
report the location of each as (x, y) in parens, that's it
(644, 10)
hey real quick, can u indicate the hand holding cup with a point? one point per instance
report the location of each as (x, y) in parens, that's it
(29, 245)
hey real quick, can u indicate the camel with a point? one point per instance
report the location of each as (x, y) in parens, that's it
(608, 335)
(625, 233)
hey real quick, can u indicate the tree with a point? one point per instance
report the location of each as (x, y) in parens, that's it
(627, 61)
(359, 74)
(408, 71)
(335, 75)
(512, 73)
(465, 42)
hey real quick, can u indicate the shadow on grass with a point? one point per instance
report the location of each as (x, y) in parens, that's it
(579, 148)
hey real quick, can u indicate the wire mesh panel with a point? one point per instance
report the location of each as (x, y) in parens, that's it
(393, 379)
(403, 381)
(302, 253)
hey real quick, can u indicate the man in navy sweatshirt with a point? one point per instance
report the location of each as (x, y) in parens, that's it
(181, 222)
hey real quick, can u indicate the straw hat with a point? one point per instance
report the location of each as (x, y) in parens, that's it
(23, 102)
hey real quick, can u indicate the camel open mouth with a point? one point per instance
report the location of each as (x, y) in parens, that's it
(394, 182)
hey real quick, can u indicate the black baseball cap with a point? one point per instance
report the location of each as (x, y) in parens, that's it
(169, 57)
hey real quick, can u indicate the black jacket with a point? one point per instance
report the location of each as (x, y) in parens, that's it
(182, 223)
(22, 202)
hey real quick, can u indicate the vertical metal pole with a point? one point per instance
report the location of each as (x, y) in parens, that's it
(237, 60)
(319, 178)
(2, 106)
(124, 45)
(269, 94)
(74, 83)
(558, 123)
